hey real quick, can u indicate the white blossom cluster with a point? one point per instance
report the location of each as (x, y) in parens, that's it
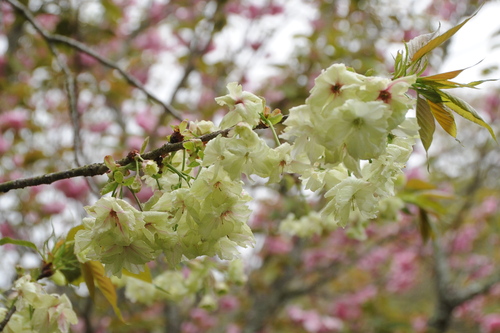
(37, 311)
(200, 208)
(347, 119)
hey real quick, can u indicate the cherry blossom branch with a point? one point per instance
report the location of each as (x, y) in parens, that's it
(55, 38)
(97, 169)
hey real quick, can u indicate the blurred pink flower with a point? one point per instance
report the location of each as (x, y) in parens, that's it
(278, 245)
(150, 40)
(203, 318)
(55, 207)
(490, 323)
(134, 142)
(313, 322)
(87, 60)
(464, 239)
(73, 188)
(4, 145)
(419, 324)
(15, 119)
(6, 230)
(403, 271)
(228, 303)
(233, 328)
(147, 120)
(99, 127)
(48, 21)
(188, 327)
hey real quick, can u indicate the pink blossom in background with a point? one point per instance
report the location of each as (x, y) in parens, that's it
(87, 60)
(15, 119)
(144, 194)
(150, 40)
(471, 309)
(372, 261)
(320, 257)
(492, 106)
(228, 303)
(203, 318)
(188, 327)
(347, 308)
(134, 142)
(7, 231)
(490, 323)
(403, 271)
(419, 324)
(464, 239)
(233, 328)
(278, 245)
(313, 322)
(99, 127)
(147, 120)
(4, 145)
(55, 207)
(73, 188)
(8, 16)
(157, 12)
(48, 21)
(141, 74)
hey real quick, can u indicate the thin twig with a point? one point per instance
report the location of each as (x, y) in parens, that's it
(70, 86)
(55, 38)
(9, 314)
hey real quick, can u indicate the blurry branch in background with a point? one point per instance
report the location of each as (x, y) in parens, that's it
(96, 169)
(55, 38)
(197, 48)
(450, 296)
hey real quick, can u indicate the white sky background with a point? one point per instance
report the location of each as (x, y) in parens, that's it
(474, 43)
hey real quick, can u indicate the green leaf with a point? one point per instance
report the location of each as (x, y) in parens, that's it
(437, 41)
(425, 120)
(8, 240)
(144, 145)
(465, 110)
(419, 184)
(425, 225)
(444, 117)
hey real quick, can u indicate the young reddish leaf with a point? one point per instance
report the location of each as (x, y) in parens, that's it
(437, 41)
(425, 120)
(444, 117)
(95, 271)
(465, 110)
(444, 76)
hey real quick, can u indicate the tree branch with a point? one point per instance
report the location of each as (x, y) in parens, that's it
(8, 315)
(96, 169)
(55, 38)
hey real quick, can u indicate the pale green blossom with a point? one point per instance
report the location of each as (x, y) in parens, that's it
(333, 87)
(243, 106)
(39, 311)
(351, 194)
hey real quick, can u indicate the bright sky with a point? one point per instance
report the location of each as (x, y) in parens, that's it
(473, 43)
